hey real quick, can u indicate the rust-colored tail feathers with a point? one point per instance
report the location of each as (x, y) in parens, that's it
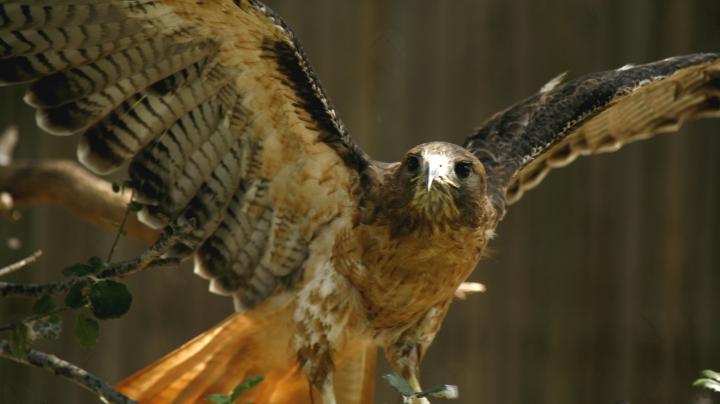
(243, 346)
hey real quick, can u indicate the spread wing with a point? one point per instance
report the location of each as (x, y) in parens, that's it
(216, 112)
(594, 114)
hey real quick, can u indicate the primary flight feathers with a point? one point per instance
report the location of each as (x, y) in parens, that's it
(212, 104)
(596, 113)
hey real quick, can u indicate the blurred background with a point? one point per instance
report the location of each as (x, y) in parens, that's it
(604, 283)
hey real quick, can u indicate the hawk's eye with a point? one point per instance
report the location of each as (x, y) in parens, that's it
(463, 169)
(412, 163)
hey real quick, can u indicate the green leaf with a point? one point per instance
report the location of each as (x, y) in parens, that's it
(87, 331)
(20, 340)
(399, 384)
(710, 384)
(47, 328)
(219, 399)
(43, 305)
(78, 270)
(446, 391)
(75, 298)
(710, 380)
(245, 386)
(96, 262)
(93, 266)
(710, 374)
(109, 299)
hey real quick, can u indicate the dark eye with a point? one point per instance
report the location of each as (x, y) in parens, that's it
(412, 163)
(463, 169)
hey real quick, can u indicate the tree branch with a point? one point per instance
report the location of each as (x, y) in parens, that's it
(68, 371)
(66, 184)
(70, 186)
(20, 264)
(115, 270)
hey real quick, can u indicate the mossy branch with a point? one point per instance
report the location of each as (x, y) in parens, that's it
(68, 371)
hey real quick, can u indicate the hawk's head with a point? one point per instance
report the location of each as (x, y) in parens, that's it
(437, 184)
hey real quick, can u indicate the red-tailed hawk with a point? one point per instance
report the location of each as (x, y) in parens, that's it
(326, 252)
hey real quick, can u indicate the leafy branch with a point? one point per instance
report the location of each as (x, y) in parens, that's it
(91, 289)
(105, 271)
(45, 323)
(67, 371)
(710, 380)
(397, 382)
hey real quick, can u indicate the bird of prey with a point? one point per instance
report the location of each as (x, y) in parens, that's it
(326, 252)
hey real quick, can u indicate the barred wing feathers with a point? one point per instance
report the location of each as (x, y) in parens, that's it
(214, 109)
(594, 114)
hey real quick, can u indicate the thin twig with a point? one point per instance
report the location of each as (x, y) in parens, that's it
(120, 230)
(68, 371)
(20, 264)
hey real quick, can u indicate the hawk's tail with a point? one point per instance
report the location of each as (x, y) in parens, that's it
(238, 348)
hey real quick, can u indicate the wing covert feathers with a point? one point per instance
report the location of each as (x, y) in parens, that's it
(597, 113)
(216, 112)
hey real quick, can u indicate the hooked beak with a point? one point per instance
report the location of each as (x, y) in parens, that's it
(440, 169)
